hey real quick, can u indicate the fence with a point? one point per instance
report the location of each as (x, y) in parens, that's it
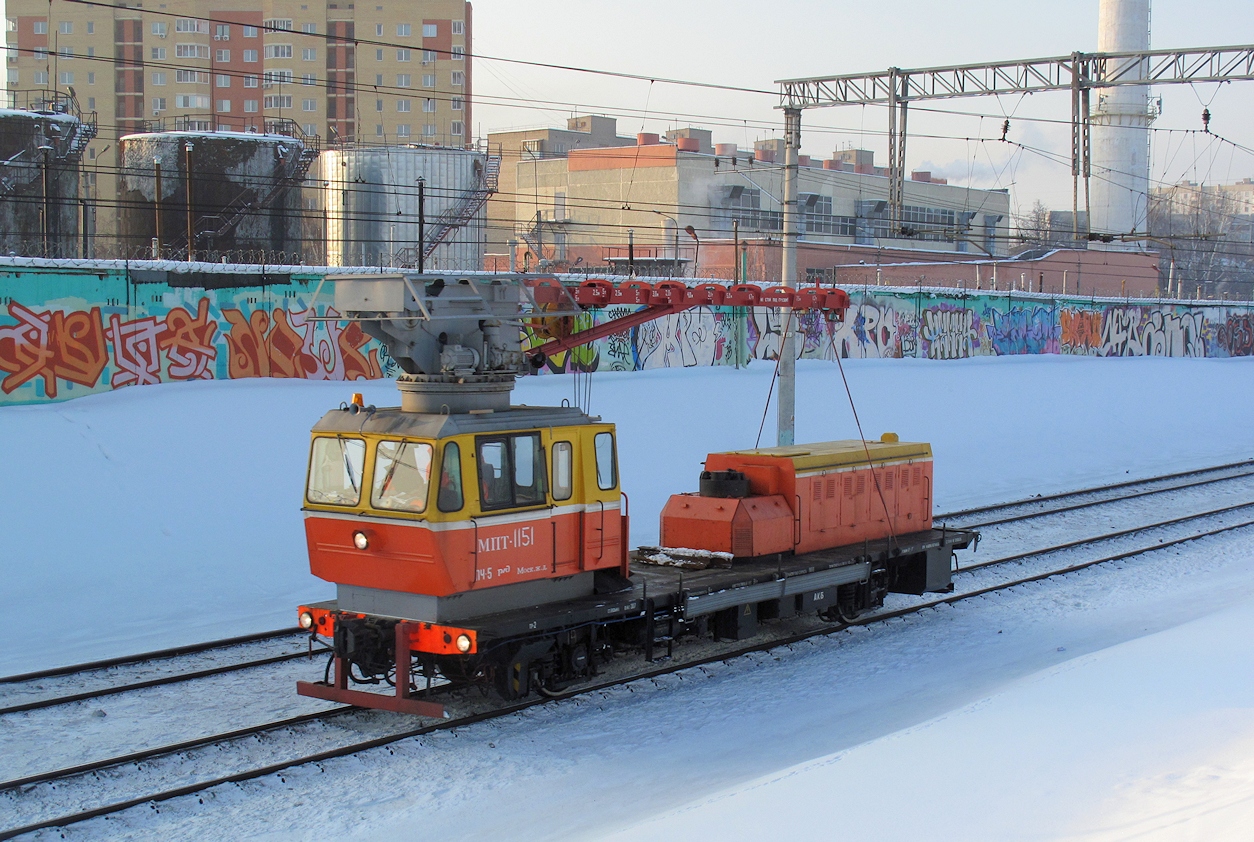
(76, 327)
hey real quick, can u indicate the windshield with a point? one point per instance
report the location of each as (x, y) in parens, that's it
(402, 471)
(335, 468)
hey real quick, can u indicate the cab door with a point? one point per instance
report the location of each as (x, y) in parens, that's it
(603, 532)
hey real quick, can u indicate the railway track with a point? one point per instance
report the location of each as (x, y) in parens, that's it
(38, 690)
(1056, 560)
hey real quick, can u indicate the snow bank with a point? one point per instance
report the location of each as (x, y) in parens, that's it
(155, 516)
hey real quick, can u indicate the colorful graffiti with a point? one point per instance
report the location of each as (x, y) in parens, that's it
(70, 347)
(74, 332)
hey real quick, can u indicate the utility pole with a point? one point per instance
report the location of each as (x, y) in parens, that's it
(786, 426)
(156, 204)
(191, 241)
(422, 224)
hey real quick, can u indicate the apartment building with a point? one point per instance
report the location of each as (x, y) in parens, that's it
(385, 72)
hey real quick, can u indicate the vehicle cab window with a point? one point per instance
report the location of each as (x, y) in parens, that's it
(336, 465)
(562, 487)
(511, 471)
(402, 476)
(607, 469)
(450, 496)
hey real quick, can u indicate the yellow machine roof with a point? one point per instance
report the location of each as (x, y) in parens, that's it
(837, 454)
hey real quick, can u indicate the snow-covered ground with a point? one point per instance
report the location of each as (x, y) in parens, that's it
(1113, 702)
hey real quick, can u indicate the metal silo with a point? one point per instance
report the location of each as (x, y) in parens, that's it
(370, 199)
(244, 188)
(41, 145)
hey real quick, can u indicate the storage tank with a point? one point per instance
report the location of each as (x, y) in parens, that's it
(245, 193)
(370, 200)
(40, 151)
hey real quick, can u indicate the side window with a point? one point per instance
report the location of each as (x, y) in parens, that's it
(402, 476)
(511, 471)
(335, 471)
(607, 477)
(562, 470)
(450, 497)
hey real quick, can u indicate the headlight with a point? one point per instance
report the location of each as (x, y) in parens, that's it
(306, 620)
(360, 541)
(463, 643)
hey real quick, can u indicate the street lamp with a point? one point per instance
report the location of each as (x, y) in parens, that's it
(696, 261)
(675, 260)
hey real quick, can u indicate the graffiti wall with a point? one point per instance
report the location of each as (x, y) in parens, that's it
(935, 325)
(67, 332)
(63, 336)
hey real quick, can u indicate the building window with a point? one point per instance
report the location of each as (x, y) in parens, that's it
(430, 30)
(222, 55)
(402, 55)
(158, 103)
(12, 24)
(91, 52)
(459, 79)
(158, 79)
(91, 78)
(378, 79)
(66, 52)
(310, 129)
(378, 30)
(41, 54)
(309, 104)
(41, 77)
(278, 24)
(428, 105)
(402, 131)
(250, 81)
(158, 53)
(224, 80)
(459, 27)
(191, 51)
(191, 101)
(459, 53)
(457, 103)
(195, 77)
(276, 77)
(250, 56)
(310, 28)
(159, 29)
(66, 27)
(402, 80)
(402, 30)
(308, 79)
(41, 27)
(91, 103)
(378, 105)
(378, 131)
(458, 129)
(403, 105)
(278, 102)
(429, 130)
(278, 50)
(224, 105)
(428, 80)
(65, 77)
(222, 32)
(191, 25)
(309, 54)
(428, 56)
(12, 76)
(250, 105)
(250, 32)
(378, 55)
(91, 27)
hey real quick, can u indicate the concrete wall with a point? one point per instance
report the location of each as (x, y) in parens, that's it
(71, 330)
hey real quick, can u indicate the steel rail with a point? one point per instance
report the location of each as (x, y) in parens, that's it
(1062, 495)
(377, 742)
(56, 701)
(155, 655)
(1094, 503)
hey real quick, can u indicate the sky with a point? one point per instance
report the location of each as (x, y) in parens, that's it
(751, 45)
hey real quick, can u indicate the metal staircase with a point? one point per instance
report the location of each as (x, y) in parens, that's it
(213, 226)
(63, 147)
(462, 211)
